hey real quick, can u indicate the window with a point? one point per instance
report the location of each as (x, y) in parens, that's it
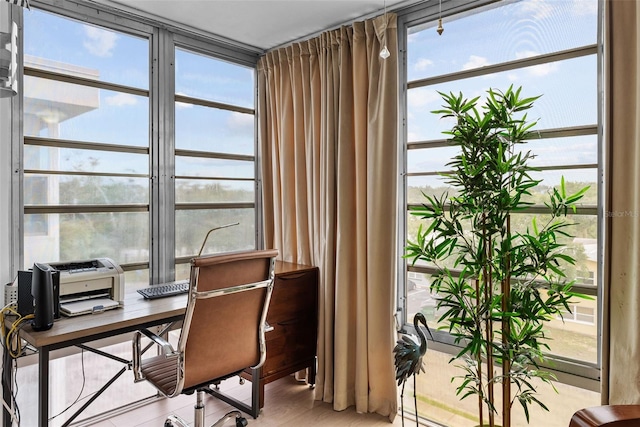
(112, 171)
(86, 142)
(214, 156)
(548, 48)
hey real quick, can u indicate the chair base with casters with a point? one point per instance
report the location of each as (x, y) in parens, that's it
(176, 421)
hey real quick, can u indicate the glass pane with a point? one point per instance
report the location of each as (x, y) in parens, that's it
(81, 113)
(437, 400)
(213, 168)
(83, 50)
(575, 179)
(76, 160)
(183, 271)
(192, 227)
(120, 236)
(66, 375)
(90, 190)
(136, 278)
(421, 299)
(563, 86)
(417, 186)
(214, 191)
(575, 334)
(200, 76)
(234, 132)
(577, 150)
(499, 34)
(430, 159)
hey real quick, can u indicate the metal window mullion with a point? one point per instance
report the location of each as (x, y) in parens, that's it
(214, 206)
(212, 104)
(537, 134)
(505, 66)
(71, 209)
(535, 209)
(83, 145)
(602, 123)
(51, 75)
(74, 173)
(214, 155)
(537, 169)
(17, 177)
(212, 177)
(162, 160)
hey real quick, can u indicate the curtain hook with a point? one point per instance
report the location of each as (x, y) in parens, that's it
(384, 53)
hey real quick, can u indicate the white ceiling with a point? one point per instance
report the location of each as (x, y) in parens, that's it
(261, 24)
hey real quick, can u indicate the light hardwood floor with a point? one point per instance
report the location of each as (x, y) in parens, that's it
(287, 403)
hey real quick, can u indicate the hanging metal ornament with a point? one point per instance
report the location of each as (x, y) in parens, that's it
(440, 28)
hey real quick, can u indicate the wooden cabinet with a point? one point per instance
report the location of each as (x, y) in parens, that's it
(293, 315)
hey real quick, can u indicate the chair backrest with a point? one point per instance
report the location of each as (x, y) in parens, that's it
(223, 329)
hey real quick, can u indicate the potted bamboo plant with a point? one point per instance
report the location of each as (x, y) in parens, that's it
(496, 285)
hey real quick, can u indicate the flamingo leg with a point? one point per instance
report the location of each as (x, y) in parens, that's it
(402, 401)
(415, 401)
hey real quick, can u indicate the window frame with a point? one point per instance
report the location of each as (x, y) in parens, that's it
(163, 39)
(577, 373)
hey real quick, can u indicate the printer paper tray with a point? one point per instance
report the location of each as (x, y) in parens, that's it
(87, 306)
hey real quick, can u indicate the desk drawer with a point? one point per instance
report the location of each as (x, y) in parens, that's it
(287, 345)
(294, 295)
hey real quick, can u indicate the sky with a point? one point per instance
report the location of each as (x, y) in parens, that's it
(502, 33)
(123, 118)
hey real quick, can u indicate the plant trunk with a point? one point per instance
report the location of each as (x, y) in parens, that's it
(479, 362)
(488, 295)
(506, 331)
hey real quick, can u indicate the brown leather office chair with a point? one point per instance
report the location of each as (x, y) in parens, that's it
(222, 333)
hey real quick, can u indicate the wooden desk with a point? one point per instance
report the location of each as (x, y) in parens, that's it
(136, 314)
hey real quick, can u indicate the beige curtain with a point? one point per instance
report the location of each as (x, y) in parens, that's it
(621, 332)
(328, 135)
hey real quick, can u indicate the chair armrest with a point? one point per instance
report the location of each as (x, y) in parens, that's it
(166, 347)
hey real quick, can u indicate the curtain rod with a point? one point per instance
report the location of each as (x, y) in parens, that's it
(397, 7)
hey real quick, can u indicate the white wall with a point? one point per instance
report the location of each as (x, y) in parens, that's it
(6, 275)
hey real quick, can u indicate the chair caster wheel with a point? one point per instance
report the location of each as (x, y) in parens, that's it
(241, 422)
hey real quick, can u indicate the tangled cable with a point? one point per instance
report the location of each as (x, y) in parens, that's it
(10, 339)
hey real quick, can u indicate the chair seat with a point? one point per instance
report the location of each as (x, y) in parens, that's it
(162, 371)
(607, 416)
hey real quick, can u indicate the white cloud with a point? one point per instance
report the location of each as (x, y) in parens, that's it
(536, 9)
(543, 69)
(413, 37)
(419, 98)
(240, 120)
(422, 64)
(526, 54)
(121, 99)
(537, 70)
(99, 42)
(582, 7)
(475, 62)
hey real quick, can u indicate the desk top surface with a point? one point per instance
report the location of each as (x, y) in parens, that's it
(137, 312)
